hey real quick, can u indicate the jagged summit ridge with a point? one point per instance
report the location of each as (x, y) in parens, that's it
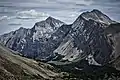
(97, 16)
(50, 21)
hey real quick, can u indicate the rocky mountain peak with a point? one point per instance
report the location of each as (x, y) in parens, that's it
(21, 28)
(97, 15)
(50, 18)
(96, 11)
(53, 22)
(49, 22)
(46, 28)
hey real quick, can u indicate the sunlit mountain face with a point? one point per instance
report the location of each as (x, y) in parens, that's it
(24, 13)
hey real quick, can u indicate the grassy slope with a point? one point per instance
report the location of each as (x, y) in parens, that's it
(16, 67)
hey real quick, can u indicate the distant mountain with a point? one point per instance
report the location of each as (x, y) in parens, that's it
(54, 41)
(86, 40)
(29, 41)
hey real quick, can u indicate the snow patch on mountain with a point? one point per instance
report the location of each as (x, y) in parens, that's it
(92, 61)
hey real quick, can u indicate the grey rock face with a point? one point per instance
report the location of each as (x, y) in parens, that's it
(52, 40)
(93, 41)
(30, 41)
(86, 38)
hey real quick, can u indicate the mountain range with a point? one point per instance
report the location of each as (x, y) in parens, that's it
(91, 41)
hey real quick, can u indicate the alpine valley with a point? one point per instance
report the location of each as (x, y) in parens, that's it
(87, 49)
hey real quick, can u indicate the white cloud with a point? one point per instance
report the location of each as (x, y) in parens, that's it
(3, 17)
(26, 18)
(30, 14)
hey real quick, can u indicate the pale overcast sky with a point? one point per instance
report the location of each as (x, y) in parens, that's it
(24, 13)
